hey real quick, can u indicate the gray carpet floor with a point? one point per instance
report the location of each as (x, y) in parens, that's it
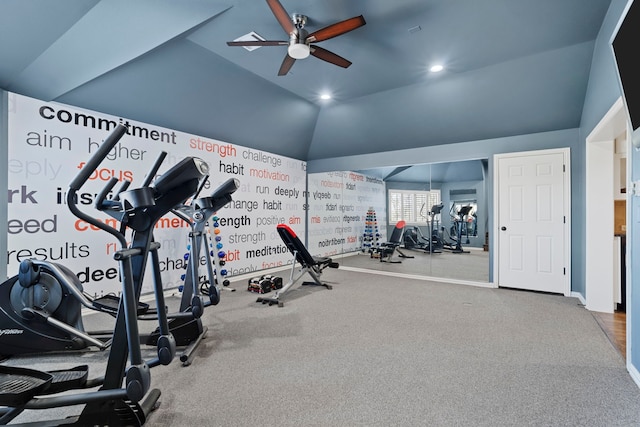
(383, 351)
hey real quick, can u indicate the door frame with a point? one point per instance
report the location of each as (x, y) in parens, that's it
(599, 223)
(566, 202)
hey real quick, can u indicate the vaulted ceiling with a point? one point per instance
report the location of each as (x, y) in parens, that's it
(512, 67)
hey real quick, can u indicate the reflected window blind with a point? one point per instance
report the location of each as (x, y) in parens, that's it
(411, 206)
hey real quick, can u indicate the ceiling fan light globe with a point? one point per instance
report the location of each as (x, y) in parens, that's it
(299, 50)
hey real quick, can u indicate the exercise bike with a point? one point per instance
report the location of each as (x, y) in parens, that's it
(32, 326)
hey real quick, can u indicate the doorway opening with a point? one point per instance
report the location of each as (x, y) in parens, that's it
(599, 216)
(606, 215)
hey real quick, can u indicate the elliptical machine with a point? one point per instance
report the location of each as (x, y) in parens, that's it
(455, 243)
(414, 239)
(186, 324)
(42, 303)
(437, 242)
(33, 326)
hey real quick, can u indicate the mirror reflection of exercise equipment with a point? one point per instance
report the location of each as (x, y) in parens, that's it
(387, 251)
(452, 240)
(458, 182)
(414, 239)
(470, 226)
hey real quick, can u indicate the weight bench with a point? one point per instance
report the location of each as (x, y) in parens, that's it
(387, 251)
(308, 264)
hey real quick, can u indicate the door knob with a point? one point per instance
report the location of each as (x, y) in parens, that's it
(503, 228)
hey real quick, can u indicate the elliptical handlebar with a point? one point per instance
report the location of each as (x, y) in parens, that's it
(202, 184)
(98, 157)
(154, 169)
(123, 187)
(85, 173)
(220, 197)
(101, 201)
(227, 188)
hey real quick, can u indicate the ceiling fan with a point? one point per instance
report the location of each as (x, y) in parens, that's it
(302, 43)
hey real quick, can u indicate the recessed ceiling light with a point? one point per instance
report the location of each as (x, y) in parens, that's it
(325, 96)
(436, 68)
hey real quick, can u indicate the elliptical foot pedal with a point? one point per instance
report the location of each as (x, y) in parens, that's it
(68, 379)
(110, 303)
(20, 385)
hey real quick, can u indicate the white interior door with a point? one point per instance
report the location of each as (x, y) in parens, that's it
(533, 221)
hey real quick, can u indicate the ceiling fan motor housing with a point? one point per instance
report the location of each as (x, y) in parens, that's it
(298, 47)
(299, 20)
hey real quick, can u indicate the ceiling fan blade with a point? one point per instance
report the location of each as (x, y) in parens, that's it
(258, 43)
(336, 29)
(328, 56)
(281, 15)
(287, 63)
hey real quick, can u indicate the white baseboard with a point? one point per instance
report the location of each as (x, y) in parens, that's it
(580, 297)
(635, 375)
(419, 277)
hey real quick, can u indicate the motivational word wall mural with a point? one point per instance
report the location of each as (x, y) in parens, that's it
(344, 209)
(50, 142)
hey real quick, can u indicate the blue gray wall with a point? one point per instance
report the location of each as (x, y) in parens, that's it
(484, 149)
(603, 90)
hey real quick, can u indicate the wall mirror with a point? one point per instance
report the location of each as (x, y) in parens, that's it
(443, 208)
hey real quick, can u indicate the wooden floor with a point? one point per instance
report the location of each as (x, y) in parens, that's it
(615, 326)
